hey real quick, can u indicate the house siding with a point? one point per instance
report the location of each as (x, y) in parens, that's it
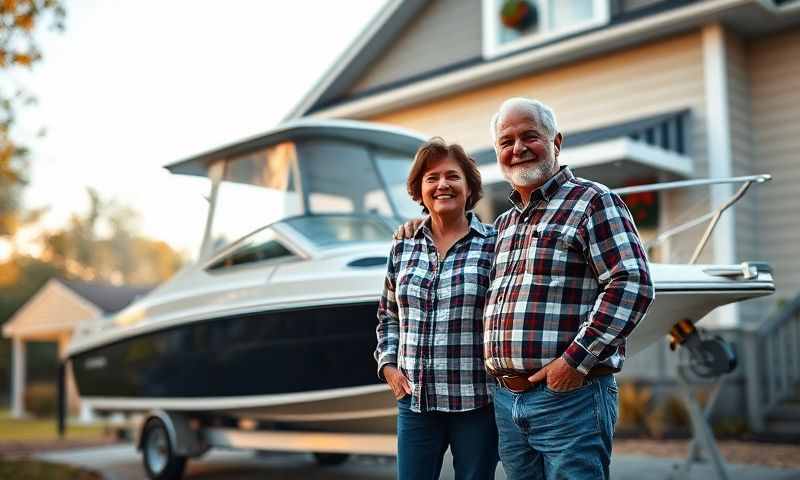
(745, 211)
(775, 104)
(654, 78)
(445, 32)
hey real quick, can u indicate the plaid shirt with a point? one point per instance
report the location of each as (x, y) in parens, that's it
(570, 279)
(430, 318)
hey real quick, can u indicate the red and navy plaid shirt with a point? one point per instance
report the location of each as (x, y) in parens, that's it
(570, 279)
(430, 318)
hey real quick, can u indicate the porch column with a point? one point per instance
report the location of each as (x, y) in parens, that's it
(18, 378)
(720, 161)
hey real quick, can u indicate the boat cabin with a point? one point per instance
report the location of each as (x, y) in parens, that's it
(340, 169)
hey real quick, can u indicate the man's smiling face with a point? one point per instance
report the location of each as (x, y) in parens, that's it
(528, 157)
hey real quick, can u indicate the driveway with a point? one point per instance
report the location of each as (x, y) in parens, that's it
(122, 462)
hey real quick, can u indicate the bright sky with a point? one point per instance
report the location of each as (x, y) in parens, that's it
(133, 85)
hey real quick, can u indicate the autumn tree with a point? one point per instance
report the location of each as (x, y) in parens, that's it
(104, 244)
(19, 22)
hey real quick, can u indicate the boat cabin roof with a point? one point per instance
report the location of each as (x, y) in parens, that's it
(359, 132)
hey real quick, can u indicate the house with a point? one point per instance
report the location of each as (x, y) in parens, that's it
(644, 91)
(51, 315)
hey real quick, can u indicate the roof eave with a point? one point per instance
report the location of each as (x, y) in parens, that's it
(366, 46)
(570, 50)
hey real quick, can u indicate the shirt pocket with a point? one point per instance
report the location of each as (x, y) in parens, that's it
(551, 250)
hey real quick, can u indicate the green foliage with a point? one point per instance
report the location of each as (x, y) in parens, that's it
(120, 256)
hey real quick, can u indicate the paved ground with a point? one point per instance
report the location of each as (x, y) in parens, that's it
(122, 462)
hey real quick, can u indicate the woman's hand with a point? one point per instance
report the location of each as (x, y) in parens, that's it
(397, 382)
(407, 229)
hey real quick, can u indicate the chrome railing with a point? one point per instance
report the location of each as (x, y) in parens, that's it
(771, 359)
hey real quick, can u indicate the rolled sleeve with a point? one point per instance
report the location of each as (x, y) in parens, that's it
(614, 251)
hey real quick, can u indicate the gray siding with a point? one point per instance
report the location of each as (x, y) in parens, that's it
(445, 32)
(775, 102)
(745, 211)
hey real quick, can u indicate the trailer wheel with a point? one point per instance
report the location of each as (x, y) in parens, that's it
(160, 462)
(330, 459)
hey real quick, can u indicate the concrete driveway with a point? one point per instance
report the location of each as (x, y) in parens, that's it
(122, 462)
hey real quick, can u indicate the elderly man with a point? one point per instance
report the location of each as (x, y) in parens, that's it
(569, 282)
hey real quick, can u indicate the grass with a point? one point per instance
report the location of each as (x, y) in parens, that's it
(44, 430)
(33, 470)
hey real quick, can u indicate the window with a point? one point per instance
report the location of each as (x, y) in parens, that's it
(545, 21)
(258, 247)
(257, 189)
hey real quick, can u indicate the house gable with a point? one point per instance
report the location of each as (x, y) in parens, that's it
(54, 308)
(445, 32)
(419, 53)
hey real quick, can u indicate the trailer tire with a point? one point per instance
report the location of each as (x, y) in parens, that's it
(158, 456)
(330, 459)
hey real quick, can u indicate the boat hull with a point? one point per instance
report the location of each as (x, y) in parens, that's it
(305, 368)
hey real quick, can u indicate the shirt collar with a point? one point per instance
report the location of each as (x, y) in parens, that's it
(546, 191)
(474, 225)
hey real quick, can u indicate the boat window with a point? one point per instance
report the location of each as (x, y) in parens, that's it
(316, 175)
(393, 168)
(329, 230)
(258, 247)
(256, 189)
(340, 177)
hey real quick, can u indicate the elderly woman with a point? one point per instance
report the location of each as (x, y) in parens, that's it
(430, 323)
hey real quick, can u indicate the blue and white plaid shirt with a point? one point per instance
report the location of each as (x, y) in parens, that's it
(430, 318)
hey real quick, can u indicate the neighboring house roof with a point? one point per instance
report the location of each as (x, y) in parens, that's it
(57, 307)
(109, 298)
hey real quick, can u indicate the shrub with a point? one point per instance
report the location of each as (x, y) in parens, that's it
(41, 399)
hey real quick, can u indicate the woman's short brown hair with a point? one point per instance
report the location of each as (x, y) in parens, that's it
(436, 149)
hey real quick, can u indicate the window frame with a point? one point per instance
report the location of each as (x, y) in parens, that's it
(491, 24)
(294, 253)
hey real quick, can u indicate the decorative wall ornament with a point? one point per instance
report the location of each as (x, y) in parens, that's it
(518, 14)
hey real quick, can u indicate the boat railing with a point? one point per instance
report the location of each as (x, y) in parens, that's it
(771, 361)
(712, 217)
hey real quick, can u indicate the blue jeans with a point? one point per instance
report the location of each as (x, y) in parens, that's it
(554, 435)
(422, 439)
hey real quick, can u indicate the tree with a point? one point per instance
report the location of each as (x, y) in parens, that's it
(120, 255)
(19, 20)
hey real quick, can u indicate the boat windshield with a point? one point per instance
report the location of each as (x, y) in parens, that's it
(334, 230)
(311, 176)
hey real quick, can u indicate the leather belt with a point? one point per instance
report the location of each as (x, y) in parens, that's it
(517, 382)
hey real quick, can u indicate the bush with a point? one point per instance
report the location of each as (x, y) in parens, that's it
(41, 399)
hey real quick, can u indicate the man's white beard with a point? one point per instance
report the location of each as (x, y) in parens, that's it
(530, 175)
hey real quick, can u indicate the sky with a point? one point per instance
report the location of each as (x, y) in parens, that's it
(133, 85)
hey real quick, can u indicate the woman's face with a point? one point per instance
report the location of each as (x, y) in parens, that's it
(444, 187)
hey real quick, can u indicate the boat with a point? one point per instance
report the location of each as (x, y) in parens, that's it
(277, 325)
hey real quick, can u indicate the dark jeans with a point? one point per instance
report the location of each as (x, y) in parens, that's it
(422, 439)
(553, 435)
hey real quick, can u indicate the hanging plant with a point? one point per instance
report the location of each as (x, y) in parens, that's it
(518, 14)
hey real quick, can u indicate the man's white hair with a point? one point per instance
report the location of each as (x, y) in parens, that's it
(537, 110)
